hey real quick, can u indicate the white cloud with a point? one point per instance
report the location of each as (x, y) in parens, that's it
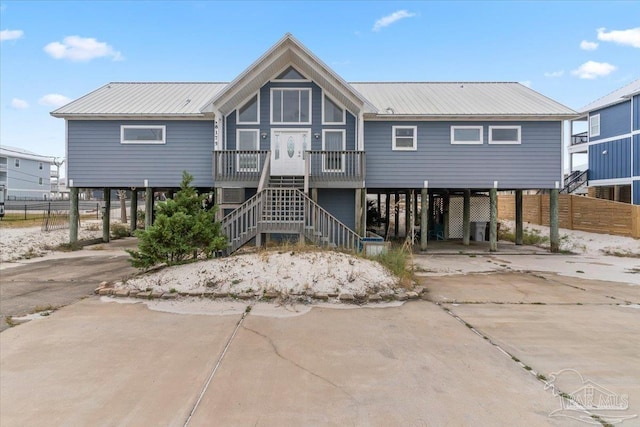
(630, 37)
(385, 21)
(54, 100)
(587, 45)
(552, 74)
(592, 70)
(10, 35)
(526, 83)
(76, 48)
(19, 104)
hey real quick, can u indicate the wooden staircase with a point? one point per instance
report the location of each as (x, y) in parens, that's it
(283, 208)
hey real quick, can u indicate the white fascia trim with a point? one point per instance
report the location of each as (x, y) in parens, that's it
(207, 117)
(611, 138)
(607, 182)
(462, 117)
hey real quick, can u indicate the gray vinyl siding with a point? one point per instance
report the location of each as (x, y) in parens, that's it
(23, 182)
(614, 120)
(339, 203)
(265, 119)
(533, 164)
(636, 112)
(96, 158)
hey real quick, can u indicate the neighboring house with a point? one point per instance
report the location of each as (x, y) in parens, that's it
(612, 144)
(26, 175)
(291, 147)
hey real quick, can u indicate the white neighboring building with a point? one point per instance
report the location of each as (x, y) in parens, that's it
(26, 175)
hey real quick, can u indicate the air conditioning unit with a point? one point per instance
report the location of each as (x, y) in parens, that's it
(232, 196)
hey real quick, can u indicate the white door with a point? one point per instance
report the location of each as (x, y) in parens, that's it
(288, 150)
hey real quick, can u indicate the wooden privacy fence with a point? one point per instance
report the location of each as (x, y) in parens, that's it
(576, 213)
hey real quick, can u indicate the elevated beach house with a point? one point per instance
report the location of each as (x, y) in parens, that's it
(612, 145)
(289, 147)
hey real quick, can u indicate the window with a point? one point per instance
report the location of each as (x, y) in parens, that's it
(504, 135)
(466, 135)
(290, 74)
(594, 125)
(291, 106)
(40, 181)
(247, 141)
(134, 134)
(404, 138)
(17, 163)
(332, 114)
(248, 113)
(40, 166)
(333, 140)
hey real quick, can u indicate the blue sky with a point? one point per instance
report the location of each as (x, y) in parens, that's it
(51, 52)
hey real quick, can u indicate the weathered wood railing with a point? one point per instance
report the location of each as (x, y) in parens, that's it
(330, 168)
(243, 167)
(289, 211)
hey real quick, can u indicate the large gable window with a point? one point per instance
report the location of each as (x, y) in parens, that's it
(404, 138)
(594, 125)
(248, 113)
(247, 146)
(332, 113)
(466, 134)
(291, 106)
(504, 135)
(290, 74)
(140, 134)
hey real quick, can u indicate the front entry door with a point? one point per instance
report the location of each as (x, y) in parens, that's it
(288, 150)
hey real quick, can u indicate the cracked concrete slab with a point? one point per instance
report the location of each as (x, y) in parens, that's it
(97, 364)
(409, 365)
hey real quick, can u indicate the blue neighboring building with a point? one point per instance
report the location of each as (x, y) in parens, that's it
(290, 122)
(25, 175)
(612, 143)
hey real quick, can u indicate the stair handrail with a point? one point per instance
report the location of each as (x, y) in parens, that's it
(266, 172)
(576, 182)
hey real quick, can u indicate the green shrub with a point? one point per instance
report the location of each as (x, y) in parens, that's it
(119, 231)
(395, 260)
(529, 237)
(182, 231)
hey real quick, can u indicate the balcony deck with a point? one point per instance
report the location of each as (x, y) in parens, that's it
(323, 169)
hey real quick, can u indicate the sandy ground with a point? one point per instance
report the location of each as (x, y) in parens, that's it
(286, 273)
(31, 242)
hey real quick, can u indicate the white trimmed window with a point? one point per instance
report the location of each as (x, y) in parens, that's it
(594, 125)
(505, 135)
(249, 113)
(40, 181)
(247, 140)
(405, 138)
(40, 166)
(466, 135)
(17, 163)
(290, 106)
(332, 113)
(142, 134)
(333, 140)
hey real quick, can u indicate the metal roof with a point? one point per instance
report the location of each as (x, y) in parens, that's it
(459, 99)
(409, 99)
(21, 153)
(143, 99)
(614, 97)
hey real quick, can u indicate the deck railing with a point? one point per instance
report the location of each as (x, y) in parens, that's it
(240, 166)
(328, 169)
(579, 138)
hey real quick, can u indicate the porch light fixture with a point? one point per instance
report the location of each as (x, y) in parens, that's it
(263, 135)
(316, 135)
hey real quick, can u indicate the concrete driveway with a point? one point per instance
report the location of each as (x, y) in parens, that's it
(469, 356)
(60, 279)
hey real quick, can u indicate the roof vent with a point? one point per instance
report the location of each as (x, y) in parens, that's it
(389, 110)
